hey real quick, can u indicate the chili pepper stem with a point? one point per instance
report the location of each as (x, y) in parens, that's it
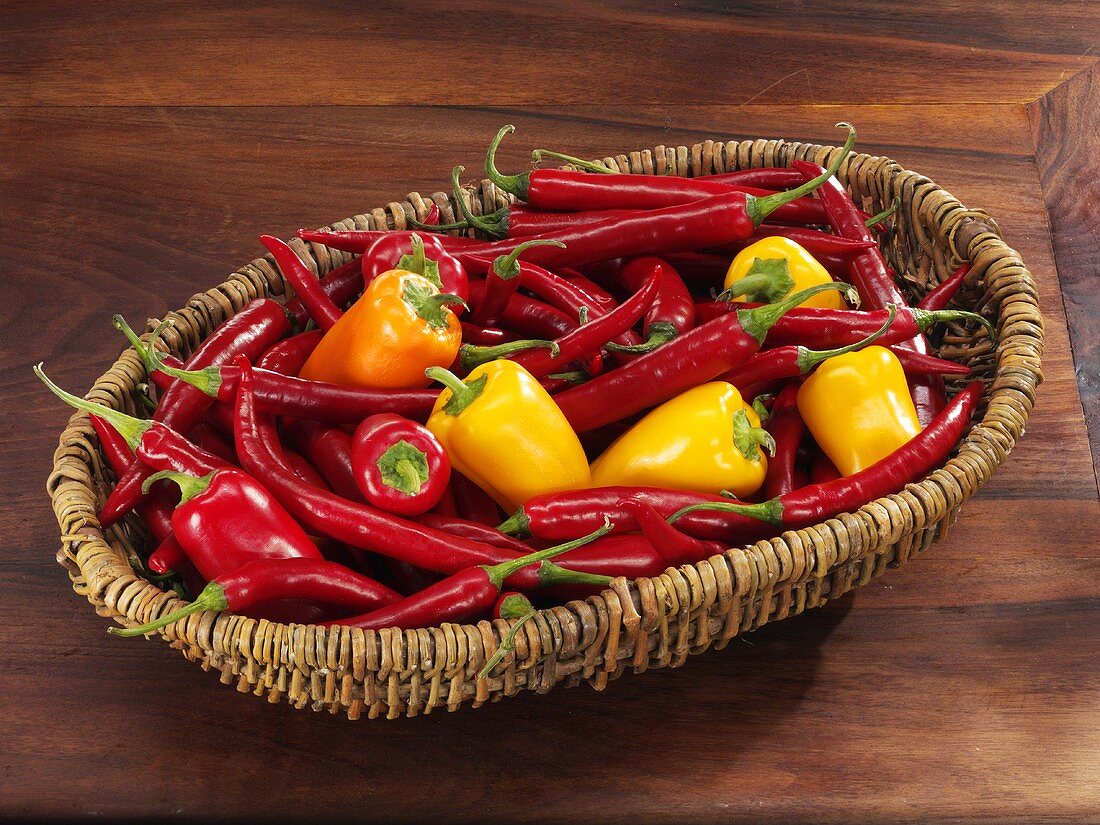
(463, 393)
(495, 224)
(874, 220)
(207, 380)
(756, 322)
(471, 355)
(551, 574)
(587, 165)
(926, 318)
(517, 524)
(759, 208)
(770, 511)
(507, 644)
(660, 333)
(506, 267)
(809, 358)
(130, 428)
(767, 280)
(212, 597)
(499, 572)
(515, 184)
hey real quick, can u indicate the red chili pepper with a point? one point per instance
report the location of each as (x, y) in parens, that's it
(700, 355)
(340, 285)
(267, 580)
(770, 177)
(486, 336)
(328, 448)
(301, 467)
(226, 519)
(869, 274)
(821, 245)
(822, 469)
(168, 556)
(560, 516)
(590, 337)
(320, 307)
(251, 331)
(604, 299)
(208, 438)
(399, 466)
(502, 277)
(462, 595)
(914, 459)
(390, 250)
(466, 528)
(672, 312)
(941, 295)
(358, 241)
(786, 428)
(562, 190)
(674, 547)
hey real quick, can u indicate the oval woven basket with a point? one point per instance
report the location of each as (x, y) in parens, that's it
(648, 623)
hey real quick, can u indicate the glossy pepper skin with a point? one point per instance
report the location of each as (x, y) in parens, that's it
(858, 408)
(706, 440)
(397, 329)
(766, 262)
(399, 466)
(226, 519)
(504, 432)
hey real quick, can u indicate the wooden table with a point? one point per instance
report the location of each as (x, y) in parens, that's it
(146, 146)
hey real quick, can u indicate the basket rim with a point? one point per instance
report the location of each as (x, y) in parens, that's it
(970, 235)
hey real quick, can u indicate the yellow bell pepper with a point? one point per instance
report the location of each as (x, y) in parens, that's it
(706, 440)
(504, 432)
(398, 328)
(772, 268)
(858, 408)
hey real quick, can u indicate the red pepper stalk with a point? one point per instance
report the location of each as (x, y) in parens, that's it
(463, 595)
(511, 606)
(267, 580)
(399, 465)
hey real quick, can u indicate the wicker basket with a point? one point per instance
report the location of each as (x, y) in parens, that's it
(650, 623)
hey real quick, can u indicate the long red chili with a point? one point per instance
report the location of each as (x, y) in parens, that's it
(486, 336)
(674, 547)
(786, 428)
(313, 297)
(917, 457)
(562, 190)
(672, 312)
(340, 285)
(156, 509)
(942, 294)
(256, 582)
(694, 358)
(462, 595)
(329, 450)
(502, 277)
(251, 331)
(871, 278)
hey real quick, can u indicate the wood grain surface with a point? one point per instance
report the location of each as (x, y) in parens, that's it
(962, 687)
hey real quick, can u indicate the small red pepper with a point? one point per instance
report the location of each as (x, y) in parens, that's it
(672, 312)
(444, 270)
(675, 547)
(226, 519)
(501, 280)
(942, 294)
(399, 466)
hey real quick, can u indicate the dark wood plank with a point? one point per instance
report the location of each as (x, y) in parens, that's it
(960, 687)
(1066, 127)
(246, 53)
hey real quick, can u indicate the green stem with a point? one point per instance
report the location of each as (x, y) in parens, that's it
(499, 572)
(758, 406)
(660, 333)
(471, 355)
(573, 376)
(506, 267)
(767, 280)
(190, 486)
(463, 393)
(770, 511)
(760, 208)
(495, 224)
(874, 220)
(926, 318)
(587, 165)
(515, 184)
(212, 597)
(749, 439)
(409, 475)
(130, 428)
(507, 644)
(756, 322)
(428, 303)
(516, 524)
(810, 358)
(551, 574)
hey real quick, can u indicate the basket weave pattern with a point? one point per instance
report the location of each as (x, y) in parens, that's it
(649, 623)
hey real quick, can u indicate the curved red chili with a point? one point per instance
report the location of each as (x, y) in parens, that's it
(502, 277)
(340, 286)
(315, 300)
(672, 312)
(786, 428)
(256, 582)
(399, 465)
(674, 547)
(941, 295)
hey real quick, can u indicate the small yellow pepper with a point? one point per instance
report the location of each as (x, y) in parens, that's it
(858, 408)
(706, 440)
(398, 328)
(772, 268)
(504, 432)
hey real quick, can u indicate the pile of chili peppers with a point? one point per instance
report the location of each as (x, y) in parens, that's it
(633, 372)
